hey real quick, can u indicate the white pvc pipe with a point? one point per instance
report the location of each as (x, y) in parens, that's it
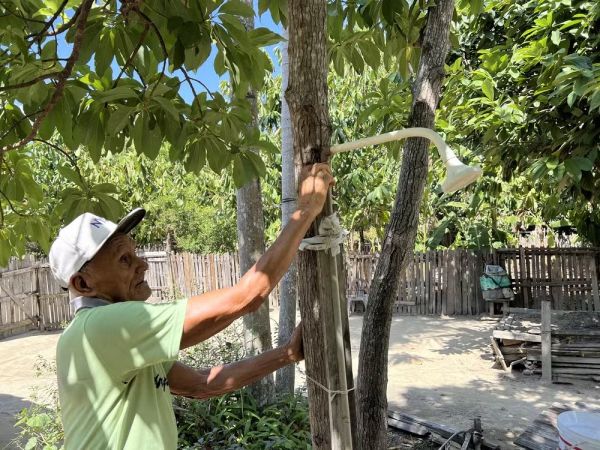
(459, 175)
(446, 154)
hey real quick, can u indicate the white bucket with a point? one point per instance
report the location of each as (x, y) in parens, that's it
(579, 430)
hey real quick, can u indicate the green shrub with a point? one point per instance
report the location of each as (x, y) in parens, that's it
(40, 424)
(233, 421)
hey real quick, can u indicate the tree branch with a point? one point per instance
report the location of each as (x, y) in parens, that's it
(149, 21)
(12, 207)
(133, 53)
(50, 22)
(62, 79)
(72, 160)
(204, 86)
(65, 26)
(189, 80)
(16, 124)
(24, 19)
(30, 82)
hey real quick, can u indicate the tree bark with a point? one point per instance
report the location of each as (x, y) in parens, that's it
(251, 237)
(400, 234)
(288, 294)
(321, 287)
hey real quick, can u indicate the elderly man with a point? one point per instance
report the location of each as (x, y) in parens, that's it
(117, 360)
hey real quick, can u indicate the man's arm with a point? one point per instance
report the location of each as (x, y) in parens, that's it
(206, 383)
(209, 313)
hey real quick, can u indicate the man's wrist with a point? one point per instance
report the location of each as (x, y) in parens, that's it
(307, 214)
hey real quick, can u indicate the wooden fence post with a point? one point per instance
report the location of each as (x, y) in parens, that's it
(546, 341)
(523, 275)
(594, 277)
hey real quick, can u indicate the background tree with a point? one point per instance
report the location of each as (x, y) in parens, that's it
(400, 234)
(251, 233)
(288, 293)
(120, 86)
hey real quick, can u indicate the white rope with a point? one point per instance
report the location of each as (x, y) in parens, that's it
(332, 393)
(330, 236)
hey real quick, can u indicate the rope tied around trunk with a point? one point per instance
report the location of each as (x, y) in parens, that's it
(332, 393)
(331, 235)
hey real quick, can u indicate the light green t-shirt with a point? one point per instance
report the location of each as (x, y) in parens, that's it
(112, 364)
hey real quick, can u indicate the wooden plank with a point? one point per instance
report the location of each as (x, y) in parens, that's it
(421, 280)
(546, 341)
(456, 274)
(523, 275)
(594, 279)
(440, 429)
(581, 332)
(498, 353)
(503, 334)
(412, 428)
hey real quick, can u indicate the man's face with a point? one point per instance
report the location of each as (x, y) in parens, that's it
(116, 273)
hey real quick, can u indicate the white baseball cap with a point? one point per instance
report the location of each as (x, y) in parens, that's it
(79, 241)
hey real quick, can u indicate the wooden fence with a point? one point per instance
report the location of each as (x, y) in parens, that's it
(435, 282)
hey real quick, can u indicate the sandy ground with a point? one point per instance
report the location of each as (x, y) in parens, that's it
(439, 369)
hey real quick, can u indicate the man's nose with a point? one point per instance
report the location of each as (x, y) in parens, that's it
(142, 264)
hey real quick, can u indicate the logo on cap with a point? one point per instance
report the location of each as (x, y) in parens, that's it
(97, 222)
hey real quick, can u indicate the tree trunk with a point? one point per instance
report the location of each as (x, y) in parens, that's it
(251, 237)
(400, 234)
(285, 378)
(321, 286)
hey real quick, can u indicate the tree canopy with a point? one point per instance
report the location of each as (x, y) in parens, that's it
(88, 87)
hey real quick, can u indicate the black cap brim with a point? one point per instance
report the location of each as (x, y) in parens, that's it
(130, 221)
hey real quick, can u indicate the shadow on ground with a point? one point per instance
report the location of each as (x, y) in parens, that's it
(11, 405)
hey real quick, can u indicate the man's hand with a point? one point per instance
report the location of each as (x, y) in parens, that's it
(206, 383)
(295, 348)
(314, 183)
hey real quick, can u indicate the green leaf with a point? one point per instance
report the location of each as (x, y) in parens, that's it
(263, 5)
(263, 36)
(195, 156)
(119, 119)
(582, 163)
(70, 175)
(217, 155)
(389, 9)
(178, 55)
(370, 53)
(111, 205)
(243, 171)
(572, 168)
(555, 37)
(168, 107)
(146, 139)
(238, 8)
(31, 443)
(595, 100)
(487, 86)
(256, 161)
(91, 132)
(41, 233)
(118, 93)
(196, 55)
(104, 53)
(49, 50)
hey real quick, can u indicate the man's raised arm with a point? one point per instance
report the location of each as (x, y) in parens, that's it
(209, 313)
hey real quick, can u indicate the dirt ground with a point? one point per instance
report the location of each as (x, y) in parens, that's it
(439, 369)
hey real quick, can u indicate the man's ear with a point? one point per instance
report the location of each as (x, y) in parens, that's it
(80, 281)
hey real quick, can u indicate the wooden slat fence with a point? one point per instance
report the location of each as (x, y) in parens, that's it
(435, 282)
(566, 276)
